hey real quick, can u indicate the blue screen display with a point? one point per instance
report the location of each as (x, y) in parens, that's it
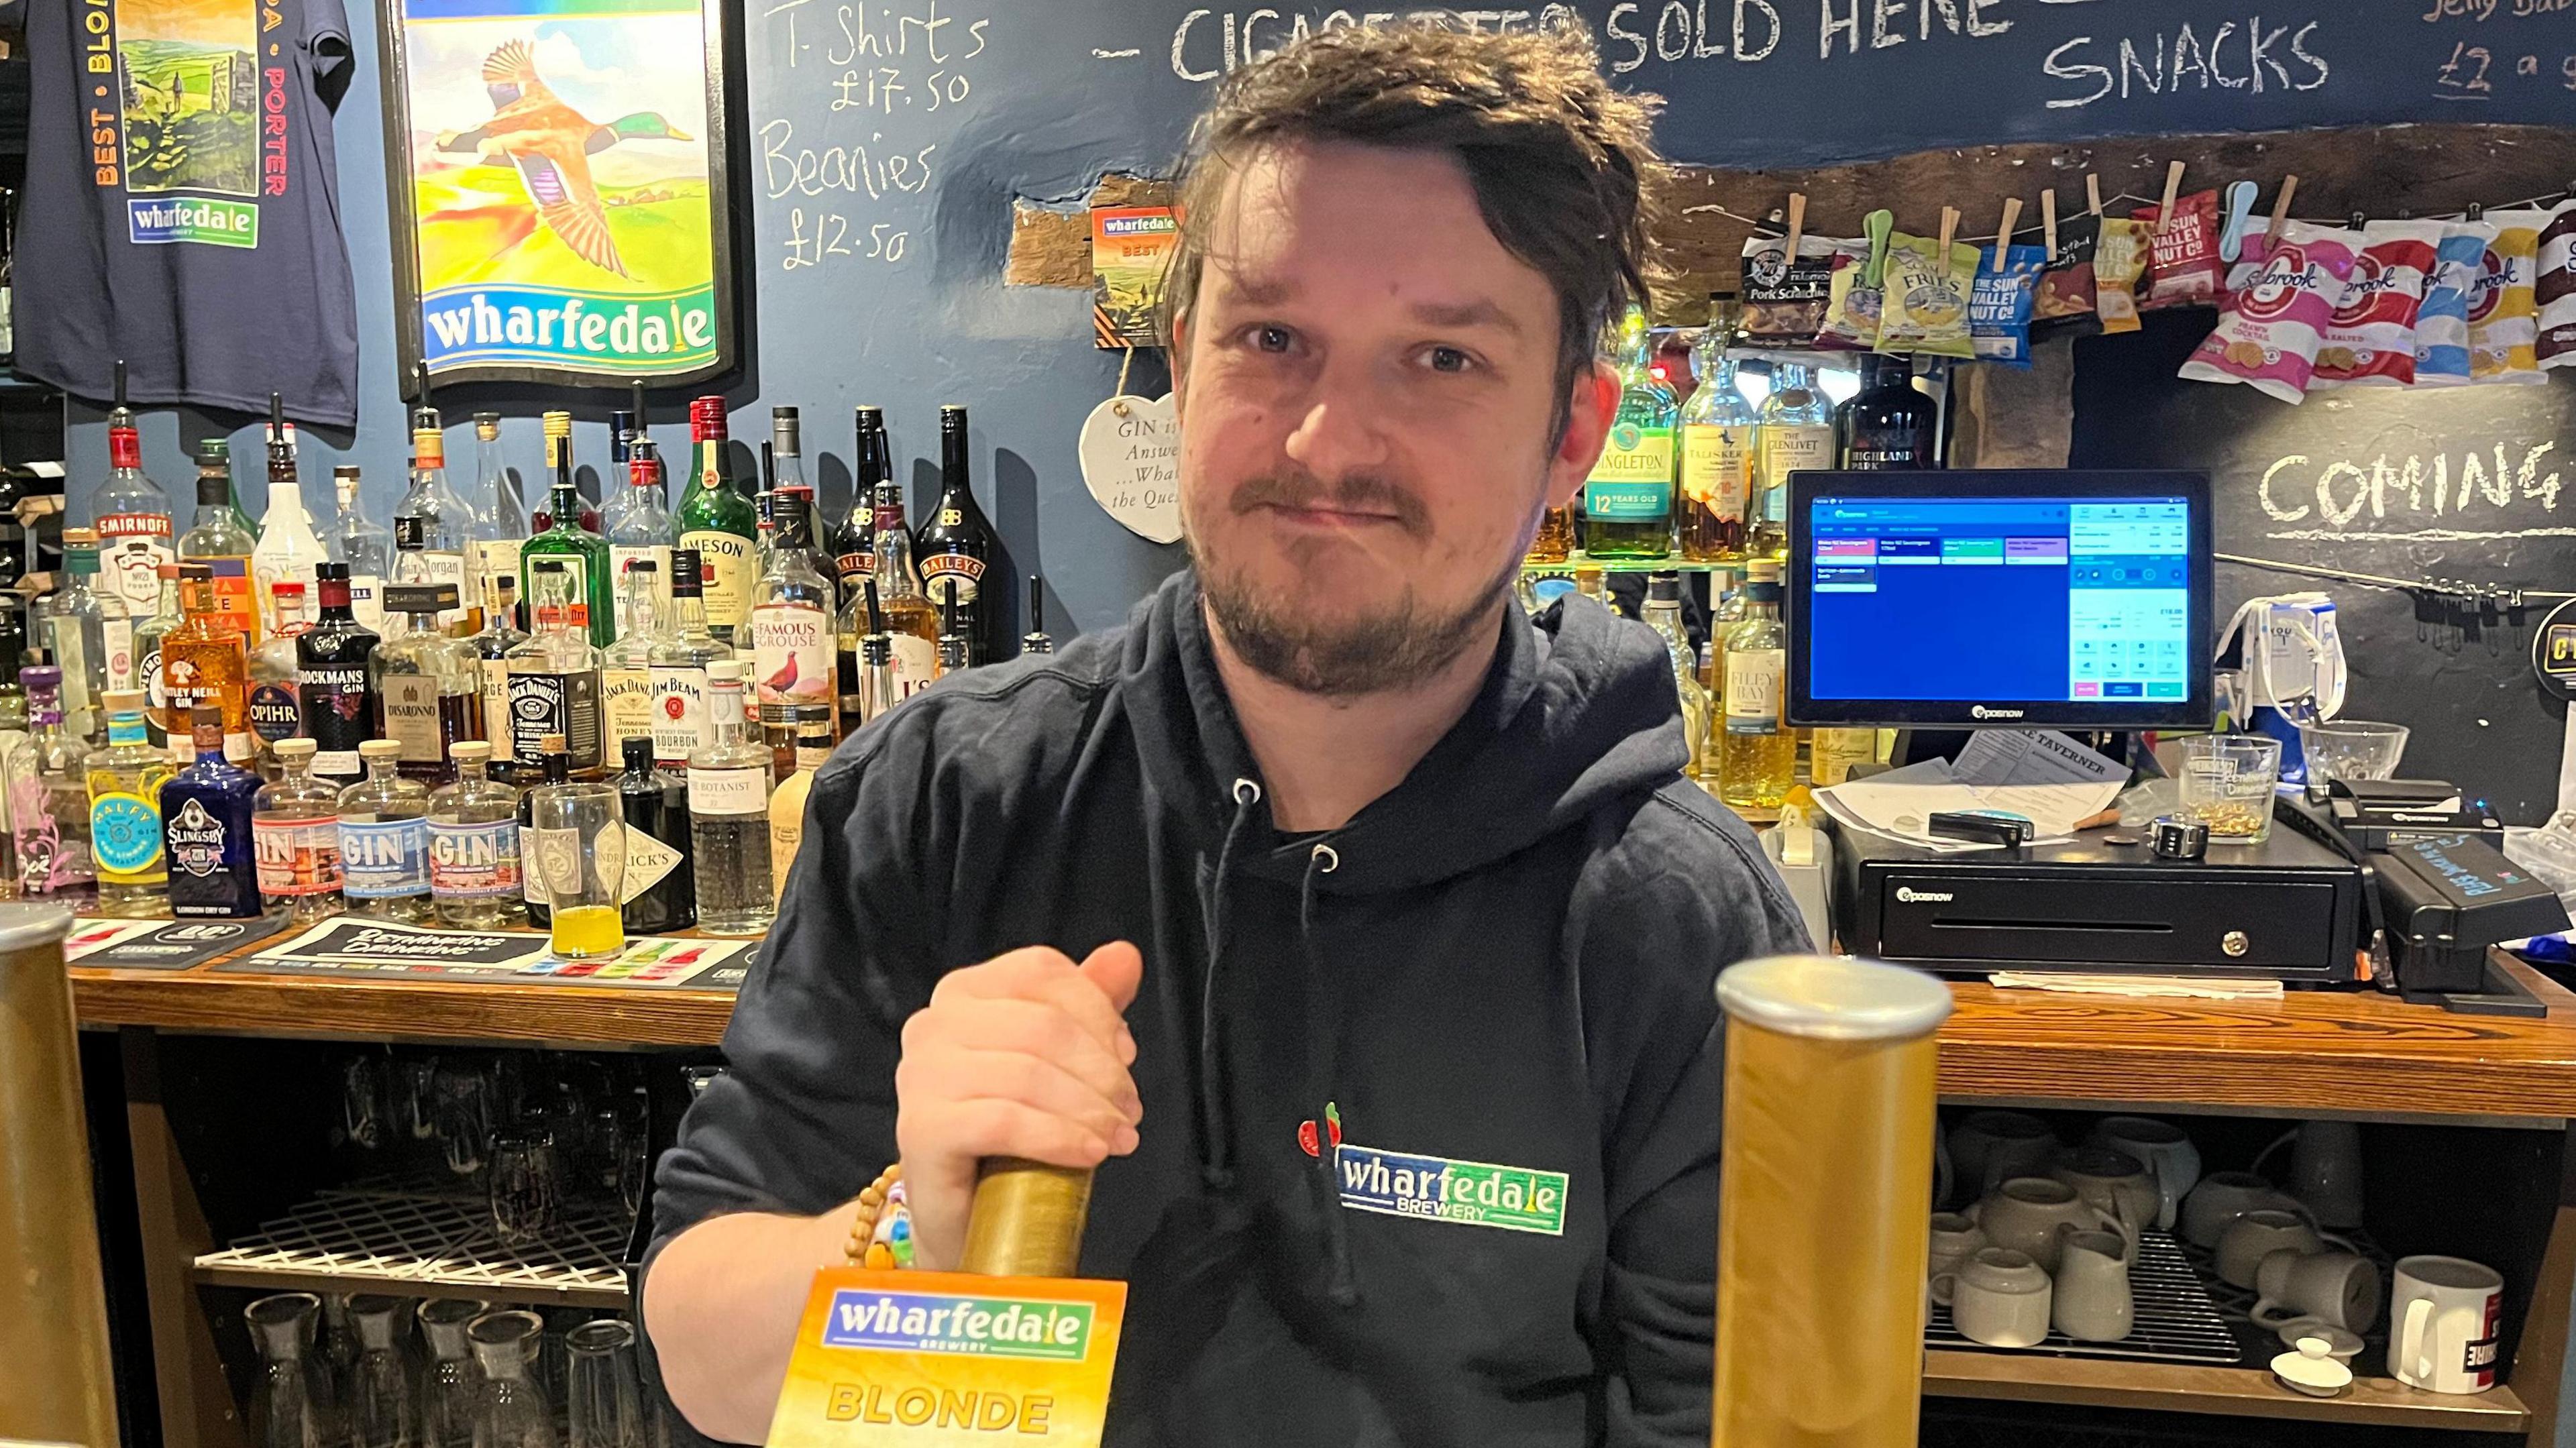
(2085, 600)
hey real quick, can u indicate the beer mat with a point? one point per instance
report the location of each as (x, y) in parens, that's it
(161, 944)
(381, 949)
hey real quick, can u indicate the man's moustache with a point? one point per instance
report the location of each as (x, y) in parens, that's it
(1356, 493)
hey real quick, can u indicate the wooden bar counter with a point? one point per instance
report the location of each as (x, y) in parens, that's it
(2353, 1054)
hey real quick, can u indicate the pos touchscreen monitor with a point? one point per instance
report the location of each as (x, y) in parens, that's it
(1999, 599)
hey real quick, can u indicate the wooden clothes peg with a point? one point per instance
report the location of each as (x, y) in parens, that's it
(2281, 209)
(2173, 191)
(2093, 193)
(1949, 232)
(2048, 221)
(1797, 223)
(2003, 233)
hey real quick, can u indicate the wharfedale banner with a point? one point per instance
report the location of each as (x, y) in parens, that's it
(559, 168)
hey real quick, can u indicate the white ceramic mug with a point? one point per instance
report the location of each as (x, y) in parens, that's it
(2221, 1198)
(2325, 1170)
(2260, 1233)
(2032, 1215)
(2112, 1180)
(1997, 1297)
(2164, 1149)
(1989, 1148)
(2338, 1289)
(2092, 1301)
(2442, 1324)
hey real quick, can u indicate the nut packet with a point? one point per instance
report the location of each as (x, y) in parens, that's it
(1925, 306)
(1785, 296)
(2267, 337)
(2504, 310)
(2119, 258)
(2554, 287)
(2183, 269)
(1852, 305)
(2442, 323)
(2066, 285)
(1999, 311)
(2370, 340)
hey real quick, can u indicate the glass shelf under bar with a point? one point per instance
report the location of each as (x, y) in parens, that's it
(425, 1243)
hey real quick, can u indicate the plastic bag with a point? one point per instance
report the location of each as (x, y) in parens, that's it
(1785, 297)
(2442, 323)
(2554, 287)
(2066, 285)
(1999, 313)
(2370, 341)
(2183, 269)
(2119, 259)
(1852, 306)
(2267, 337)
(1925, 305)
(2504, 311)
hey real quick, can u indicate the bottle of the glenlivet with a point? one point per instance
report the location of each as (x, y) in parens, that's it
(956, 545)
(854, 543)
(331, 680)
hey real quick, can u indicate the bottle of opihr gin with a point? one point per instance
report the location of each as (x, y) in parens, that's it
(1628, 499)
(295, 833)
(276, 700)
(125, 782)
(331, 676)
(384, 840)
(206, 813)
(474, 870)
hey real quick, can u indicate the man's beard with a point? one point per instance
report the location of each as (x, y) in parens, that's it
(1399, 647)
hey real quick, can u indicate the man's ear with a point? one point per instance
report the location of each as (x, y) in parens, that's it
(1590, 404)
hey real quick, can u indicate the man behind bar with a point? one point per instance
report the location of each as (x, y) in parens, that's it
(1328, 845)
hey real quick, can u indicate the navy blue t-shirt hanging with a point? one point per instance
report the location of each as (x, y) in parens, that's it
(181, 209)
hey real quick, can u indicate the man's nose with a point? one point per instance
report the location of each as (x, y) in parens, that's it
(1342, 430)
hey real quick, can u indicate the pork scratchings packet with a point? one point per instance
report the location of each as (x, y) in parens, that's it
(2066, 284)
(2268, 335)
(2554, 287)
(2183, 269)
(1785, 296)
(2370, 340)
(2119, 259)
(1999, 312)
(2504, 309)
(1926, 306)
(2442, 323)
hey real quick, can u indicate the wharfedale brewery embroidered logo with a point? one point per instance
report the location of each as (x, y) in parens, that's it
(1472, 1193)
(944, 1322)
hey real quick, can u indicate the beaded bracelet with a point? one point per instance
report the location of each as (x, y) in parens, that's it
(881, 1231)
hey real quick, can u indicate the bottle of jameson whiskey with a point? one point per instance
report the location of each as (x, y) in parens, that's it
(956, 545)
(331, 680)
(718, 523)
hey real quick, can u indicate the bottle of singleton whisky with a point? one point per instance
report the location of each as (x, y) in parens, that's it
(956, 545)
(1628, 499)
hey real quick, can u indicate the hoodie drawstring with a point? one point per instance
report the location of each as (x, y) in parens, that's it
(1216, 1169)
(1323, 1060)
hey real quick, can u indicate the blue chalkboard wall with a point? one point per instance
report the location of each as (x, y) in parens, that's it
(885, 140)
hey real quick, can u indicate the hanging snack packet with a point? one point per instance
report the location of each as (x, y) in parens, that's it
(2442, 323)
(2370, 340)
(1999, 312)
(2183, 269)
(2554, 287)
(1926, 302)
(2249, 259)
(1785, 296)
(2066, 285)
(2118, 260)
(2267, 338)
(2504, 313)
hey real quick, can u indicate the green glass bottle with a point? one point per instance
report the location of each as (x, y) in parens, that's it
(584, 553)
(1628, 499)
(719, 522)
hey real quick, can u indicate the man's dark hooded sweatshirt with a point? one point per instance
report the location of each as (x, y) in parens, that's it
(1505, 965)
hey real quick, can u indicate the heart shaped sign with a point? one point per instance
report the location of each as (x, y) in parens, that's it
(1131, 460)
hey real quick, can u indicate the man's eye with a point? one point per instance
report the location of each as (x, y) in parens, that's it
(1448, 359)
(1270, 339)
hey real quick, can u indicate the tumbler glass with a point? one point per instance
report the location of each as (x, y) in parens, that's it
(464, 1111)
(510, 1410)
(605, 1400)
(525, 1184)
(577, 835)
(449, 1382)
(2227, 784)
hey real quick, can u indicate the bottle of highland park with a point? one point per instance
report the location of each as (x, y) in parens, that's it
(957, 545)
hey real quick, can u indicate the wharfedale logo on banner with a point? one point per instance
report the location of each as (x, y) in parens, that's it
(192, 218)
(942, 1322)
(499, 324)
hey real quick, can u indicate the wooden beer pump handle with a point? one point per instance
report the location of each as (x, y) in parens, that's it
(1027, 1219)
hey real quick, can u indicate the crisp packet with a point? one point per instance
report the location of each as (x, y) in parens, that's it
(2066, 286)
(1999, 312)
(1852, 304)
(2183, 269)
(1785, 297)
(2442, 323)
(2370, 341)
(2504, 313)
(2267, 337)
(2554, 287)
(1926, 303)
(2118, 259)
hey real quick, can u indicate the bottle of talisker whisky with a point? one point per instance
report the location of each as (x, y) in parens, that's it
(956, 545)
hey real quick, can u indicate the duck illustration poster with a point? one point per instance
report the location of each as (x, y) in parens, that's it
(563, 173)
